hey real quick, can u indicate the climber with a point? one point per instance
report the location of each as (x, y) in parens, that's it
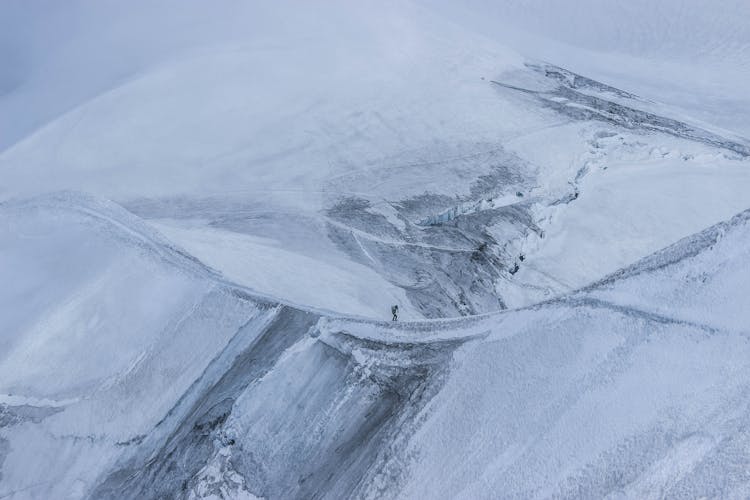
(394, 311)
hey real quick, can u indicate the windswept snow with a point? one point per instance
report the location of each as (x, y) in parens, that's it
(113, 326)
(590, 395)
(693, 55)
(150, 353)
(207, 211)
(338, 131)
(627, 209)
(621, 390)
(332, 283)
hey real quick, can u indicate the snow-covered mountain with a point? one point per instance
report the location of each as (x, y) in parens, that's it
(317, 148)
(132, 371)
(206, 213)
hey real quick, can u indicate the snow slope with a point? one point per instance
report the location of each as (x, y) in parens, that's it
(121, 351)
(100, 337)
(269, 130)
(693, 55)
(329, 133)
(325, 283)
(622, 210)
(604, 392)
(633, 388)
(281, 174)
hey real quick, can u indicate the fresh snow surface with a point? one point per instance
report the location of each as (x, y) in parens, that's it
(103, 330)
(207, 211)
(265, 264)
(693, 55)
(622, 208)
(635, 386)
(322, 136)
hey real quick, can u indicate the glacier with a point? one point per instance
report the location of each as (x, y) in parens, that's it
(206, 213)
(224, 390)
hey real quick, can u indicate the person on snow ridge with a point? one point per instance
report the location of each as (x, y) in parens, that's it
(394, 311)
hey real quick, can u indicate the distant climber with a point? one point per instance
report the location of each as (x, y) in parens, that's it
(394, 311)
